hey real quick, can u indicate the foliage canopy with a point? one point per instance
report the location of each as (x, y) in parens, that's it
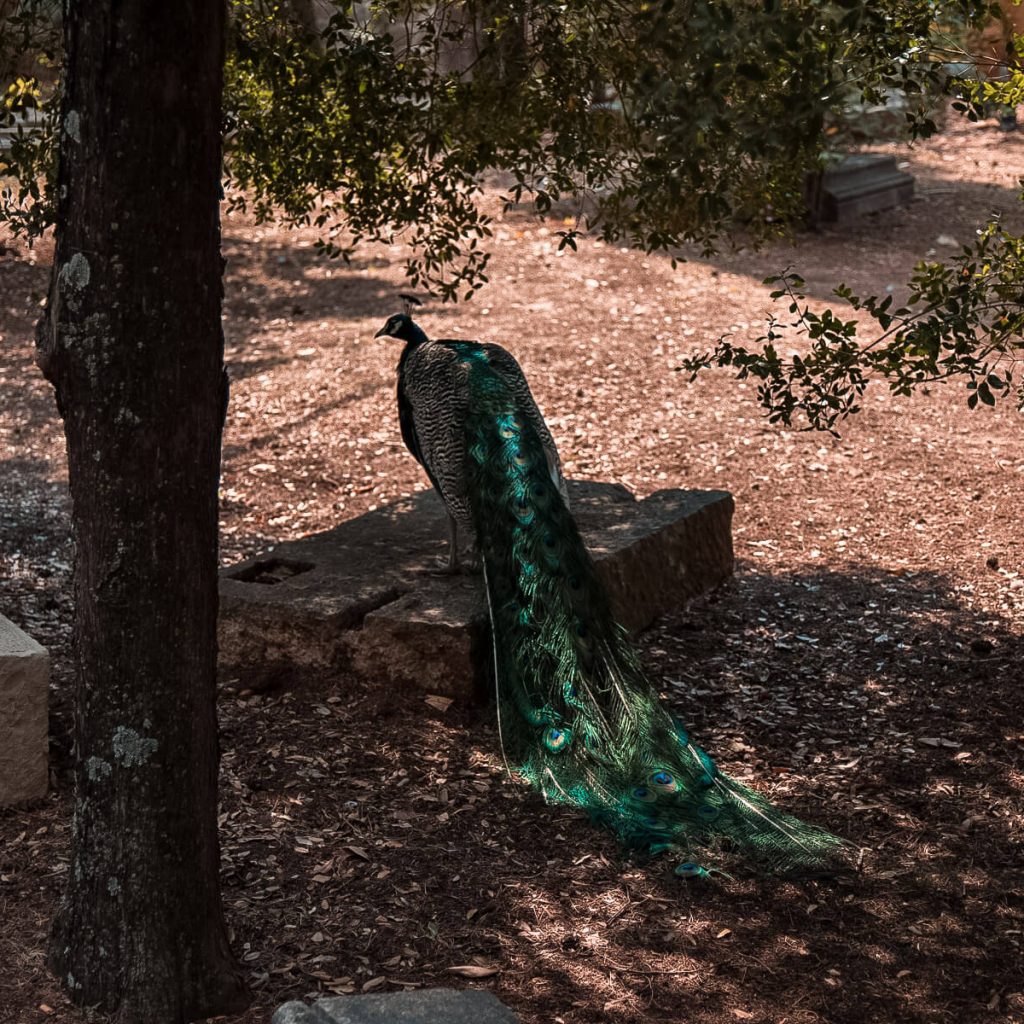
(661, 123)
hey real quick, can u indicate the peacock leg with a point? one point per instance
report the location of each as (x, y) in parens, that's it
(453, 545)
(456, 562)
(451, 565)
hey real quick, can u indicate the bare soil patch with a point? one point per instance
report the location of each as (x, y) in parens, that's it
(864, 667)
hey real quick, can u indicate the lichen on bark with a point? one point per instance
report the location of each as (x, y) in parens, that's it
(132, 750)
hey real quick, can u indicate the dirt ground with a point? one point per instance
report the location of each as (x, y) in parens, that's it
(863, 668)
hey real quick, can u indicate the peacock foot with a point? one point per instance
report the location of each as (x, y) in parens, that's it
(461, 566)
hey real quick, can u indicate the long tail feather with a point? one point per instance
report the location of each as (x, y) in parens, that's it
(578, 717)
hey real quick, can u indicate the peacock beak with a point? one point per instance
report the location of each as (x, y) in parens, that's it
(382, 333)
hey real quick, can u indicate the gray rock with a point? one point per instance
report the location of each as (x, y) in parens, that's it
(24, 693)
(424, 1006)
(365, 596)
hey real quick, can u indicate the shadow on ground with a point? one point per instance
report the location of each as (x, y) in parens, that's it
(908, 747)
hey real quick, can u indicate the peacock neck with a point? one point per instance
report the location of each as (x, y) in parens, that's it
(413, 335)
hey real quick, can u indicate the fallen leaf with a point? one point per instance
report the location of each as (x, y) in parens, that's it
(438, 703)
(473, 971)
(937, 741)
(373, 983)
(722, 934)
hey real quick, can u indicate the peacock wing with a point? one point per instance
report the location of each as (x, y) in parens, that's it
(435, 401)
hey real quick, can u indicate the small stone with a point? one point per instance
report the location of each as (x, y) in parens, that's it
(992, 561)
(982, 646)
(425, 1006)
(24, 690)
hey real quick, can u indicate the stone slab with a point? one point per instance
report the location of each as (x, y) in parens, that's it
(423, 1006)
(366, 596)
(24, 696)
(858, 184)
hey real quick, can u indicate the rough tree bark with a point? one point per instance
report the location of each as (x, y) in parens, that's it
(132, 343)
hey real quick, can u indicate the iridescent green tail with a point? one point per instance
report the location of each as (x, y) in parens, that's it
(579, 718)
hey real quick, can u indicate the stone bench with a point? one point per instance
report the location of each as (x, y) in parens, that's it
(363, 596)
(24, 695)
(425, 1006)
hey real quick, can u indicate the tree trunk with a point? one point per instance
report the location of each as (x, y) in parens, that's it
(133, 345)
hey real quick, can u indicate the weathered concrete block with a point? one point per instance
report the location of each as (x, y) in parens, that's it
(24, 695)
(424, 1006)
(365, 595)
(860, 183)
(436, 636)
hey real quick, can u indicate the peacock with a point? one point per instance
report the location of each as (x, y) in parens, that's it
(577, 716)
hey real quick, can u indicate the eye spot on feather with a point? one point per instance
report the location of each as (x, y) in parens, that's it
(539, 715)
(663, 782)
(644, 795)
(523, 512)
(689, 870)
(509, 426)
(571, 696)
(556, 740)
(707, 813)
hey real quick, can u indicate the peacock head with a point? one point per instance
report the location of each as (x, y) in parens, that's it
(403, 327)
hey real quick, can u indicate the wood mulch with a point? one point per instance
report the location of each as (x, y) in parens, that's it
(863, 668)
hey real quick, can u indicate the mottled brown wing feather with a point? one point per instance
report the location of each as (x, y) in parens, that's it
(434, 386)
